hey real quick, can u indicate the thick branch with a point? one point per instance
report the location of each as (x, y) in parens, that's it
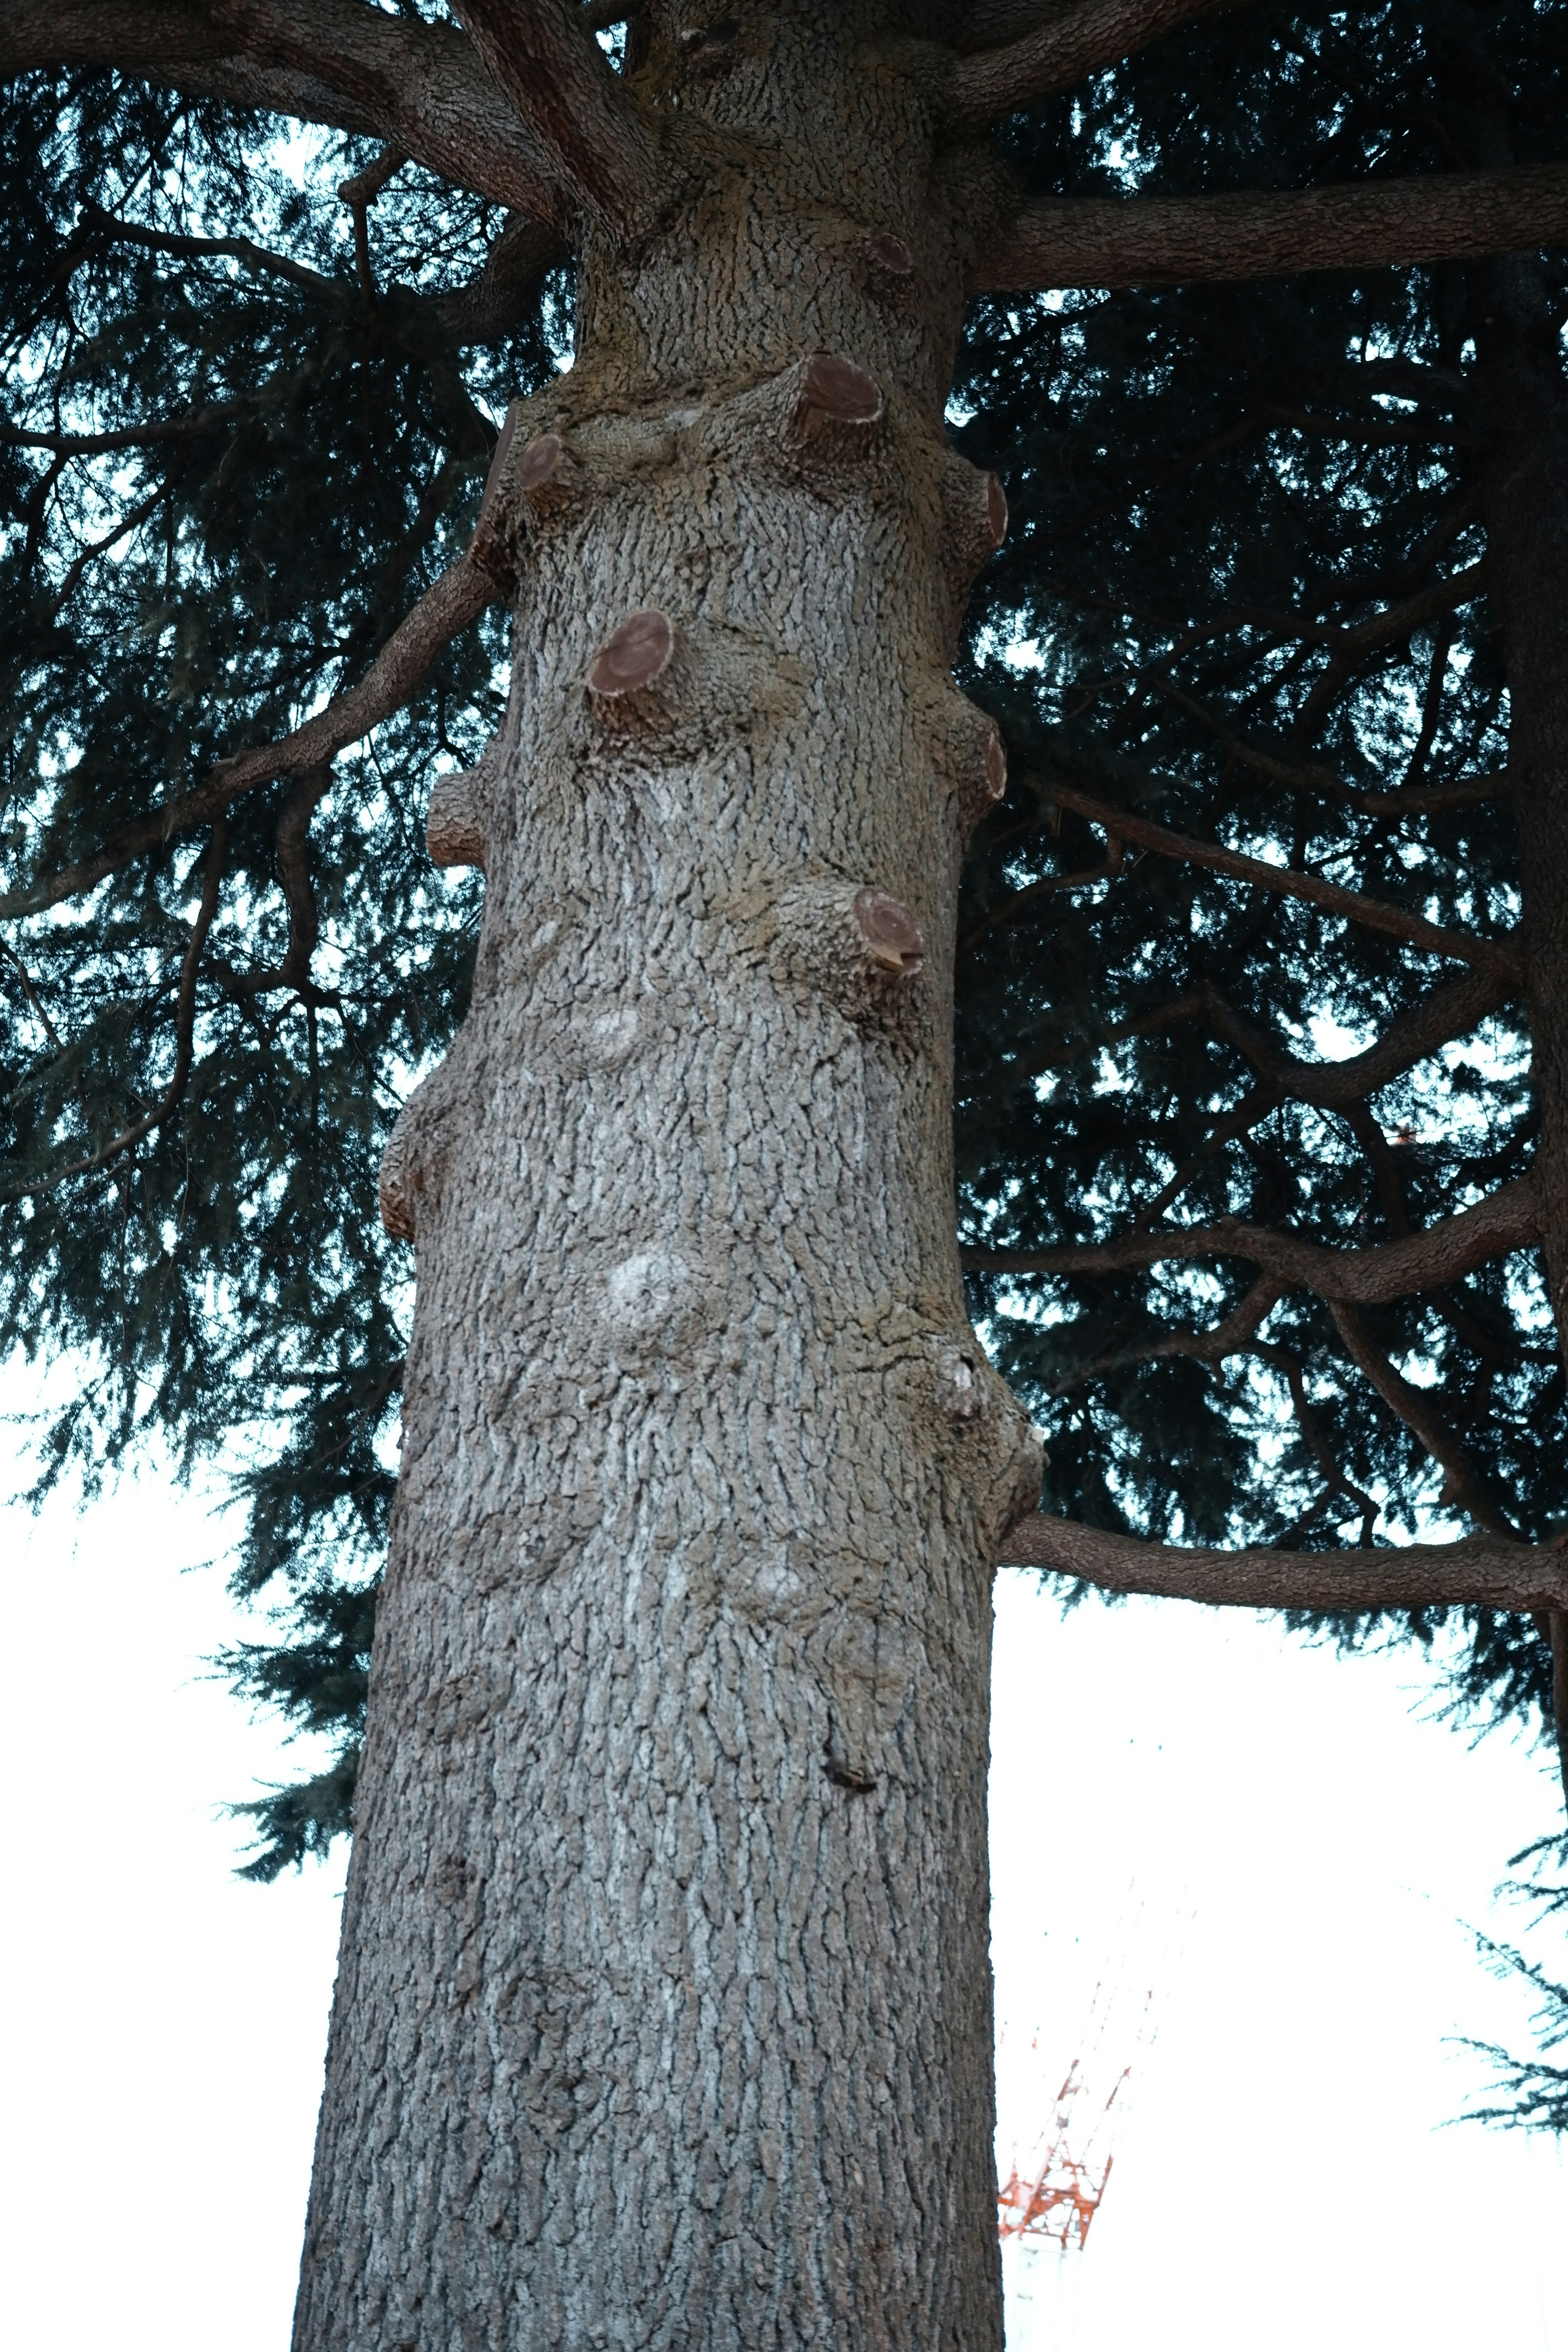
(492, 304)
(1477, 1573)
(1423, 1261)
(450, 606)
(1073, 42)
(584, 118)
(1372, 914)
(418, 85)
(1146, 240)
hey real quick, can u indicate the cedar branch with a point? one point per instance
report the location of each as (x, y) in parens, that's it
(1479, 1572)
(1416, 1409)
(1148, 240)
(1505, 1222)
(116, 1146)
(1072, 43)
(418, 85)
(542, 54)
(455, 602)
(1372, 914)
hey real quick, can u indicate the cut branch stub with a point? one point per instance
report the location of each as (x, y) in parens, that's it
(545, 475)
(890, 253)
(491, 546)
(890, 268)
(892, 935)
(634, 657)
(976, 507)
(859, 948)
(996, 770)
(527, 485)
(454, 824)
(834, 408)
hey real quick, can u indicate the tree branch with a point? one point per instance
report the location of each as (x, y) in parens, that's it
(1480, 1572)
(1471, 791)
(1373, 914)
(1415, 1409)
(490, 305)
(1149, 240)
(1443, 1013)
(584, 118)
(1506, 1222)
(418, 85)
(456, 601)
(1073, 42)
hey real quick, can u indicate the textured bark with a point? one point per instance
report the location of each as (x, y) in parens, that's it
(664, 2011)
(1071, 42)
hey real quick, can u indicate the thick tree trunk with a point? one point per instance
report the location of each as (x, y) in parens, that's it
(1524, 400)
(664, 2012)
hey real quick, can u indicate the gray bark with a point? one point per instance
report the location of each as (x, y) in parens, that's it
(664, 2010)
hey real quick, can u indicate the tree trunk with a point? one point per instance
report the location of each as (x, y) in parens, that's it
(664, 2010)
(1523, 402)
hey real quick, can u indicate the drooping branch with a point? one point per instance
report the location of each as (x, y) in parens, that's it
(1073, 42)
(599, 142)
(456, 601)
(1147, 240)
(1373, 914)
(1506, 1222)
(292, 837)
(420, 86)
(1480, 1572)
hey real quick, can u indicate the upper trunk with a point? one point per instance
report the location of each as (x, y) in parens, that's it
(664, 2010)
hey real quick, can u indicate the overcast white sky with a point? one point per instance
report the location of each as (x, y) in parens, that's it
(1267, 1840)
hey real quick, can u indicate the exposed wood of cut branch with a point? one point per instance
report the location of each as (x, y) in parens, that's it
(1481, 1573)
(541, 53)
(419, 85)
(1072, 42)
(450, 606)
(1148, 240)
(1494, 1227)
(1372, 914)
